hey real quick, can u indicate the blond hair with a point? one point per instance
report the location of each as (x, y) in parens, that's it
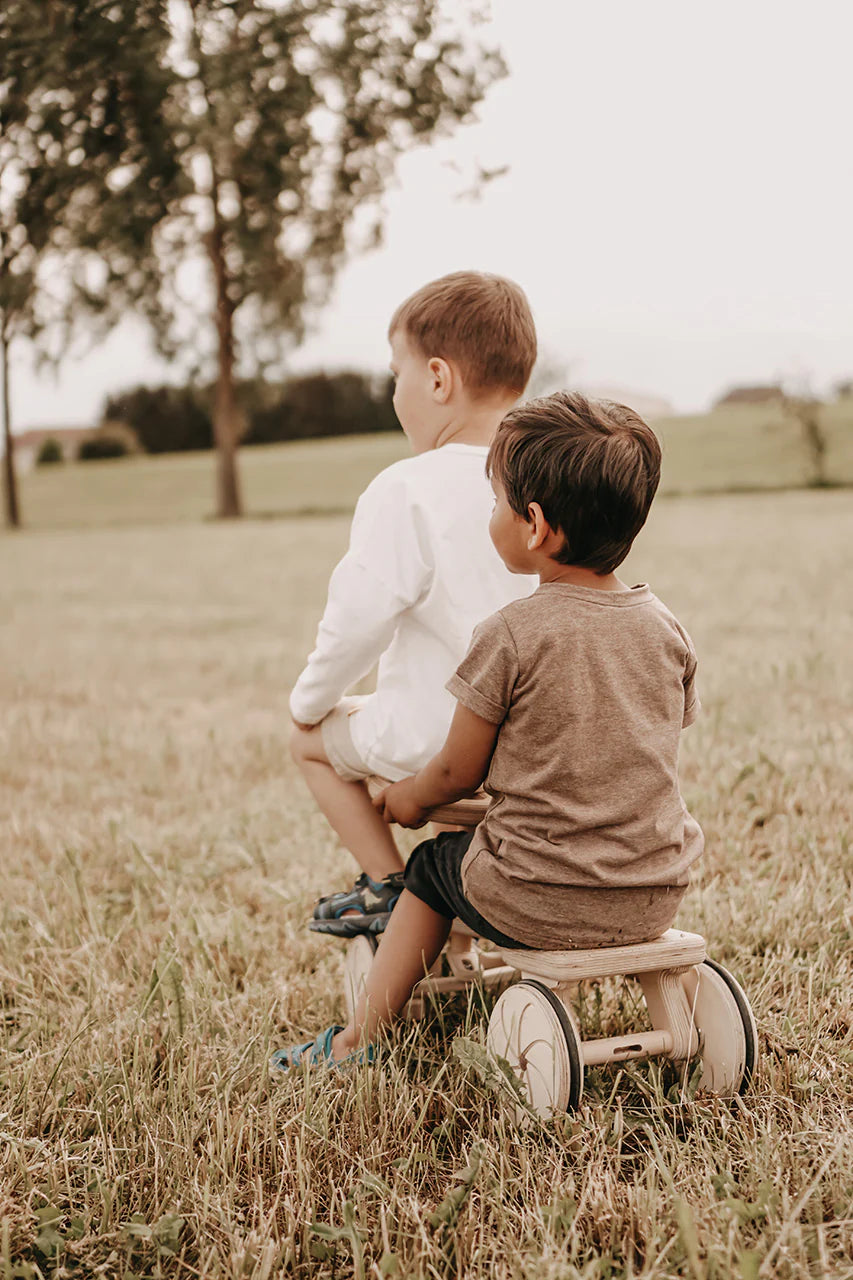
(481, 322)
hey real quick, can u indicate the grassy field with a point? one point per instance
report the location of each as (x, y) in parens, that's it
(159, 858)
(732, 449)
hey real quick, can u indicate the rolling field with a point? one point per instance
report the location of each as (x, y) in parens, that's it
(733, 449)
(159, 858)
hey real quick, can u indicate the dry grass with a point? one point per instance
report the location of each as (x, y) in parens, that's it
(160, 858)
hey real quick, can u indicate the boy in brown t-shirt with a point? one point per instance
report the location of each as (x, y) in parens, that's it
(570, 704)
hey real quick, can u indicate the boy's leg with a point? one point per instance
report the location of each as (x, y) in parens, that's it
(347, 806)
(410, 945)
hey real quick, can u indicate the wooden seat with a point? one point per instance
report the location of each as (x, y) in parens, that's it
(462, 813)
(672, 950)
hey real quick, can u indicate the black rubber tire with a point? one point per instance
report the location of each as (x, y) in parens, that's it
(746, 1018)
(573, 1045)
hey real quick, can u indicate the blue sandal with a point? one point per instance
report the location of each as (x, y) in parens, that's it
(318, 1053)
(370, 903)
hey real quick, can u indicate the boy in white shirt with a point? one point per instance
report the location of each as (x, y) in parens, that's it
(419, 574)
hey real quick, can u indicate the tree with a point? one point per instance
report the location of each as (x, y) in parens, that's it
(272, 128)
(78, 115)
(10, 312)
(50, 453)
(552, 372)
(805, 409)
(22, 225)
(313, 405)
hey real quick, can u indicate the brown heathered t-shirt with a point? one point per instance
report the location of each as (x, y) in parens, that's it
(591, 689)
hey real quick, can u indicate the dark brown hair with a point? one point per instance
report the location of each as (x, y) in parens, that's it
(592, 465)
(481, 322)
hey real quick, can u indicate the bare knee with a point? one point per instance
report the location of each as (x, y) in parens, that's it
(300, 743)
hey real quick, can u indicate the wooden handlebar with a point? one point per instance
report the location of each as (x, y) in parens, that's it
(462, 813)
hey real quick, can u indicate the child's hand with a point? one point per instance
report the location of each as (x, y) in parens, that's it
(397, 804)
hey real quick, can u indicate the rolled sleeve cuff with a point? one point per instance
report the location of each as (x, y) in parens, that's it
(691, 712)
(303, 712)
(475, 701)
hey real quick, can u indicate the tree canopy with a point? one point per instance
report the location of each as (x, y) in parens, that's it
(230, 153)
(78, 116)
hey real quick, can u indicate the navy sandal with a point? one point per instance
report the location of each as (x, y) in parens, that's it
(351, 926)
(367, 901)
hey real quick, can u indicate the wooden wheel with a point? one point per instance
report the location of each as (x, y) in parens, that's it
(531, 1030)
(727, 1032)
(357, 961)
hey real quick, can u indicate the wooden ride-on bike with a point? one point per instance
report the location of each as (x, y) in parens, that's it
(697, 1009)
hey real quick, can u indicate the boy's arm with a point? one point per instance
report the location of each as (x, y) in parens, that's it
(384, 572)
(457, 771)
(483, 688)
(357, 626)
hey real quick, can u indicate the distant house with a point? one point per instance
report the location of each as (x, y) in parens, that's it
(28, 443)
(770, 393)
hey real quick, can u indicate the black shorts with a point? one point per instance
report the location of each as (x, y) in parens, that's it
(434, 874)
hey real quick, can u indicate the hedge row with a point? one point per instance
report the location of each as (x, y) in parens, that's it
(170, 419)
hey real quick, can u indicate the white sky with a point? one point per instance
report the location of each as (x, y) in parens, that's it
(678, 206)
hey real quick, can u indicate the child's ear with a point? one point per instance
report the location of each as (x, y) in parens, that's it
(538, 527)
(441, 376)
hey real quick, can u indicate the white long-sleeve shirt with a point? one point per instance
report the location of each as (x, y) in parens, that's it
(419, 574)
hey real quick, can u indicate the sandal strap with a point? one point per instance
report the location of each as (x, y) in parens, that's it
(318, 1053)
(367, 897)
(361, 883)
(321, 1051)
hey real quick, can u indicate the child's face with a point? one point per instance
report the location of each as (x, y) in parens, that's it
(418, 407)
(510, 533)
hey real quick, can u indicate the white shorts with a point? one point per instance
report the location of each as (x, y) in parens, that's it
(344, 756)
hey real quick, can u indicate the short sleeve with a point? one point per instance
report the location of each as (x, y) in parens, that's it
(692, 705)
(485, 679)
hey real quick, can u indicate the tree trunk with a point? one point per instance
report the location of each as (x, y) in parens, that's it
(816, 444)
(805, 411)
(13, 514)
(226, 414)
